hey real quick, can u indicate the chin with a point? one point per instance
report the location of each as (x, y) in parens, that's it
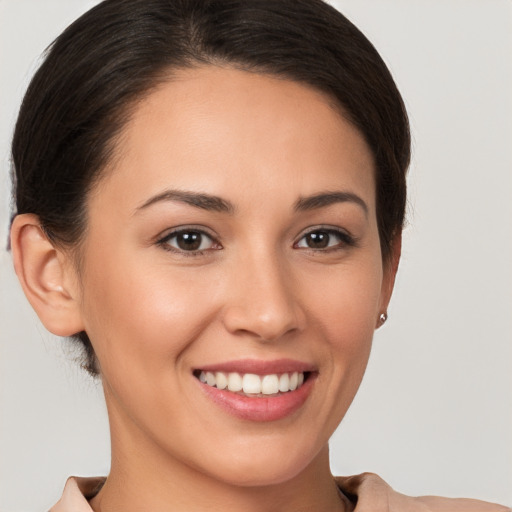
(262, 474)
(263, 463)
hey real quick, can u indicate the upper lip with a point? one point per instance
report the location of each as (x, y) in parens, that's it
(259, 367)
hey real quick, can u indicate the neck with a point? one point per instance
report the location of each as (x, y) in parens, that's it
(148, 478)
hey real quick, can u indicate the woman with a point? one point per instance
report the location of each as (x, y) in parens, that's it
(212, 204)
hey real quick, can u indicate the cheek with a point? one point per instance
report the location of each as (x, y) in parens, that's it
(345, 310)
(141, 318)
(345, 302)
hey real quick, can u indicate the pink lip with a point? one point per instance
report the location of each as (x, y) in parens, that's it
(259, 367)
(259, 408)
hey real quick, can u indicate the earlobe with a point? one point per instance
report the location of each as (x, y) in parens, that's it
(388, 280)
(44, 274)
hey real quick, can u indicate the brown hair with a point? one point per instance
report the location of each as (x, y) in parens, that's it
(115, 54)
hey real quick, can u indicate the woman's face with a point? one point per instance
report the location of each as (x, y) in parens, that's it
(233, 239)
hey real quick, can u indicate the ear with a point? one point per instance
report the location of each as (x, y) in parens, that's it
(388, 279)
(47, 277)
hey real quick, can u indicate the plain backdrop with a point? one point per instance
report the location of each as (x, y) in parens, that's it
(434, 413)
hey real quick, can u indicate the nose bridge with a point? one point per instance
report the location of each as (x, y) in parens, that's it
(262, 301)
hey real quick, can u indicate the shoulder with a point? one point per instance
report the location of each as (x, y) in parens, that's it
(76, 493)
(372, 494)
(367, 491)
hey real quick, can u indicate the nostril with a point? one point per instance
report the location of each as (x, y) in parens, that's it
(264, 326)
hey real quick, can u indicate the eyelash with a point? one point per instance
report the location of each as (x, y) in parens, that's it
(164, 242)
(346, 240)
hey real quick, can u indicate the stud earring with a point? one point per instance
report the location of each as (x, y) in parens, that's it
(382, 318)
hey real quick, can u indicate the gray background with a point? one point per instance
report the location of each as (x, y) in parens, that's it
(434, 414)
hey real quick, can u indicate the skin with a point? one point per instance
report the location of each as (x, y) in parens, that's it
(155, 313)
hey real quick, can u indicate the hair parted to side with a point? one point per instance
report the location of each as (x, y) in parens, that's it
(110, 58)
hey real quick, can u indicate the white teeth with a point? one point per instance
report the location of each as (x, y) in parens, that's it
(253, 384)
(234, 382)
(294, 380)
(221, 380)
(270, 384)
(284, 383)
(210, 379)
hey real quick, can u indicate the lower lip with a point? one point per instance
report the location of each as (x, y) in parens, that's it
(260, 408)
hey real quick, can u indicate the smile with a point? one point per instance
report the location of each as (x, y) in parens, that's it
(258, 391)
(254, 385)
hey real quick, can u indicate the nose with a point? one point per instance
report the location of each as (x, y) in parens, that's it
(262, 299)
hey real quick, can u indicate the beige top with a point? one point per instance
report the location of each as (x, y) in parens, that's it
(367, 492)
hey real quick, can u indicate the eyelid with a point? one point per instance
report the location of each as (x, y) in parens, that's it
(163, 239)
(347, 239)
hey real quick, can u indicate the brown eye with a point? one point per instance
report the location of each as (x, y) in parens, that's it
(318, 240)
(324, 239)
(188, 241)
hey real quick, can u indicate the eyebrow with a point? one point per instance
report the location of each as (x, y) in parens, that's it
(197, 199)
(324, 199)
(217, 204)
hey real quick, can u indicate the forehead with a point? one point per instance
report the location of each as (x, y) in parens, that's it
(225, 130)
